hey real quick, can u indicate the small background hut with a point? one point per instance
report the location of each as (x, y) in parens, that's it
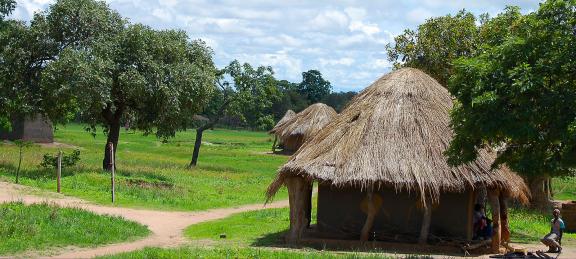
(382, 174)
(293, 132)
(287, 116)
(36, 129)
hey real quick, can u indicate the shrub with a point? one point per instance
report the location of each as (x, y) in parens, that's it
(51, 161)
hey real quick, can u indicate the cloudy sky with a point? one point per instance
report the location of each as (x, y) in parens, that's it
(344, 39)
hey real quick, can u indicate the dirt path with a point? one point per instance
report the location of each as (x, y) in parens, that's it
(166, 227)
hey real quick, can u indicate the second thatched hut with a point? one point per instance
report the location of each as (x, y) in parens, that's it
(381, 171)
(293, 132)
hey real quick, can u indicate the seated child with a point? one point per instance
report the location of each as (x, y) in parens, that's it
(557, 227)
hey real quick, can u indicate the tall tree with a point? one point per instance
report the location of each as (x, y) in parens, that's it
(242, 91)
(158, 78)
(6, 7)
(519, 95)
(436, 44)
(28, 49)
(314, 86)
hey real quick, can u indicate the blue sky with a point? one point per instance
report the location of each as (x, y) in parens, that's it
(345, 39)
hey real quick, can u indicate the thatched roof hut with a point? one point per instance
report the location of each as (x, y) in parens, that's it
(390, 141)
(287, 116)
(293, 132)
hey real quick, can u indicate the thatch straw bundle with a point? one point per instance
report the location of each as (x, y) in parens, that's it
(394, 133)
(287, 116)
(305, 124)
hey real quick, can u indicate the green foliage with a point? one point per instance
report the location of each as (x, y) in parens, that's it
(151, 75)
(519, 95)
(440, 41)
(6, 7)
(245, 92)
(26, 49)
(435, 44)
(339, 100)
(42, 226)
(314, 86)
(51, 161)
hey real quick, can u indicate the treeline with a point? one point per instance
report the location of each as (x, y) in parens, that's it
(251, 97)
(513, 77)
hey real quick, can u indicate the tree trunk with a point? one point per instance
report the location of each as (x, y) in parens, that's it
(426, 220)
(371, 215)
(197, 145)
(494, 198)
(504, 225)
(113, 136)
(298, 189)
(538, 185)
(274, 144)
(19, 164)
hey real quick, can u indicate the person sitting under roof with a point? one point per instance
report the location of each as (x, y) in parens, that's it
(553, 239)
(482, 225)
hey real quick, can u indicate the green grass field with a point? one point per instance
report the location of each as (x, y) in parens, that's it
(43, 226)
(233, 169)
(249, 253)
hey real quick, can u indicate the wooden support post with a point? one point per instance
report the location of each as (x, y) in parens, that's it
(112, 176)
(426, 219)
(59, 172)
(274, 144)
(371, 214)
(493, 197)
(505, 228)
(297, 194)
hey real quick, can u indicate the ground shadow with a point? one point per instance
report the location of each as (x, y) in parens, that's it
(271, 240)
(276, 240)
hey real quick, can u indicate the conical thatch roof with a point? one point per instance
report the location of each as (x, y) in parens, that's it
(394, 133)
(306, 123)
(287, 116)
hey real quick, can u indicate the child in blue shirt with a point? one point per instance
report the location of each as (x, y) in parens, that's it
(555, 235)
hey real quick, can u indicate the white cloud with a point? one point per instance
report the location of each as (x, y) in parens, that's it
(366, 28)
(162, 14)
(330, 18)
(336, 62)
(344, 39)
(380, 63)
(419, 15)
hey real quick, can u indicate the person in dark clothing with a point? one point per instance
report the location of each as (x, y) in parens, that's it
(482, 225)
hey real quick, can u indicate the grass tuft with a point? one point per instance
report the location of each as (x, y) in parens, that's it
(43, 226)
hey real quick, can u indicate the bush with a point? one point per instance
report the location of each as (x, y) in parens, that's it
(51, 161)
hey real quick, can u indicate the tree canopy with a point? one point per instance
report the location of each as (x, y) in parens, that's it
(519, 95)
(439, 41)
(314, 86)
(28, 49)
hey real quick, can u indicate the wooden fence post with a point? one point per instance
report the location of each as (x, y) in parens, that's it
(59, 172)
(113, 162)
